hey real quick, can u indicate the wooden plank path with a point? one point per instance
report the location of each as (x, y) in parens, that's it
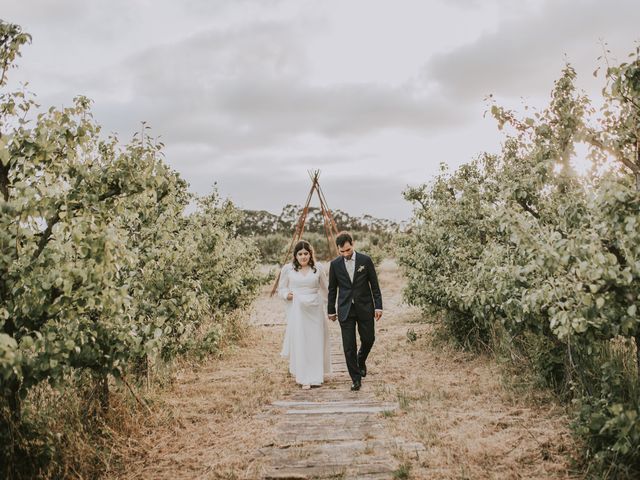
(331, 432)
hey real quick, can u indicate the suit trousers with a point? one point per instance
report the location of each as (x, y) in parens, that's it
(366, 329)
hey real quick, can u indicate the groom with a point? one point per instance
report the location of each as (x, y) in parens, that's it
(353, 278)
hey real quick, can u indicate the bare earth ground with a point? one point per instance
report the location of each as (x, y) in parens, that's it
(224, 419)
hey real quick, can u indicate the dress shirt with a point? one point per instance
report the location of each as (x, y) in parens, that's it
(351, 265)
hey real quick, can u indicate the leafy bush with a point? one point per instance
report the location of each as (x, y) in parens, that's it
(101, 273)
(516, 250)
(607, 410)
(273, 247)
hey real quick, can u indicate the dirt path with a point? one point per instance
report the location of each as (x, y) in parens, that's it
(242, 416)
(474, 421)
(331, 432)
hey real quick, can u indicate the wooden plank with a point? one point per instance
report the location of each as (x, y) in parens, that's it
(309, 437)
(324, 421)
(314, 433)
(365, 472)
(341, 409)
(303, 403)
(349, 454)
(331, 432)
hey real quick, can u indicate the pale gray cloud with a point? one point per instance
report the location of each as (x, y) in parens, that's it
(252, 93)
(341, 193)
(525, 55)
(248, 88)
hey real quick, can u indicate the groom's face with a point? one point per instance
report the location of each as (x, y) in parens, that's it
(346, 250)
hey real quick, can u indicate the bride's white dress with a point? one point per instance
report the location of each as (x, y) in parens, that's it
(306, 339)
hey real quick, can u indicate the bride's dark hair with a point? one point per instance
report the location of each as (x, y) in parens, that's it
(303, 245)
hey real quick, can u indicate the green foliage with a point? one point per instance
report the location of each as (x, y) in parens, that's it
(100, 270)
(226, 262)
(608, 416)
(273, 233)
(12, 38)
(273, 247)
(403, 471)
(412, 336)
(516, 251)
(261, 222)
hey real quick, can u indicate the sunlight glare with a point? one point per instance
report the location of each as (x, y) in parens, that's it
(580, 160)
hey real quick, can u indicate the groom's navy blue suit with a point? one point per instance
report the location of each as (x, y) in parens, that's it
(356, 305)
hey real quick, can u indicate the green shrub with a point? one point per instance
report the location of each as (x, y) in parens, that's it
(515, 251)
(608, 410)
(101, 273)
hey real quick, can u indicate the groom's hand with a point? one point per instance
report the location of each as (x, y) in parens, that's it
(333, 317)
(378, 315)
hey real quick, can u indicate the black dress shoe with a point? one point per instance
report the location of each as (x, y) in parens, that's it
(356, 386)
(362, 367)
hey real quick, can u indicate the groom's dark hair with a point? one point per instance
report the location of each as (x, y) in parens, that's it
(344, 237)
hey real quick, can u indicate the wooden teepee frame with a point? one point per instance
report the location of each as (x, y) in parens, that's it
(330, 228)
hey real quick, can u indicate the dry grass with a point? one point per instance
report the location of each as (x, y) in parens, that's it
(212, 421)
(65, 434)
(459, 407)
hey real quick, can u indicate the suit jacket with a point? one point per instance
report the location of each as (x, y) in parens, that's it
(363, 293)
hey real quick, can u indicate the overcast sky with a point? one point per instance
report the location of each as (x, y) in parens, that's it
(251, 94)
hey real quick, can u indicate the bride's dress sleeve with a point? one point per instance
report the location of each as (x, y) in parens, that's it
(283, 283)
(324, 286)
(283, 290)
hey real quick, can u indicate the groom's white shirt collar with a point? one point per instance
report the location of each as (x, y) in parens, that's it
(353, 257)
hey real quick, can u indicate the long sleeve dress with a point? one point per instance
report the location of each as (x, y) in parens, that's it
(306, 339)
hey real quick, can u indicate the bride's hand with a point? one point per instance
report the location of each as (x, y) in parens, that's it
(290, 296)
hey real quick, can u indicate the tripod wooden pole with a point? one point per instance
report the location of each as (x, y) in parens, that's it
(330, 228)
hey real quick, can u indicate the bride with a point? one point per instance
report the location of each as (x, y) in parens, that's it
(303, 286)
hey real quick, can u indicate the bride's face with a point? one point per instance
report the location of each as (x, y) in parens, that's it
(303, 257)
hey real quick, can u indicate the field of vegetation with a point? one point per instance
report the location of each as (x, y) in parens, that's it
(517, 254)
(273, 233)
(103, 280)
(106, 284)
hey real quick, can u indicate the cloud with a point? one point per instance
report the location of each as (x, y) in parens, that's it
(465, 4)
(252, 93)
(248, 88)
(368, 194)
(526, 54)
(270, 180)
(335, 110)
